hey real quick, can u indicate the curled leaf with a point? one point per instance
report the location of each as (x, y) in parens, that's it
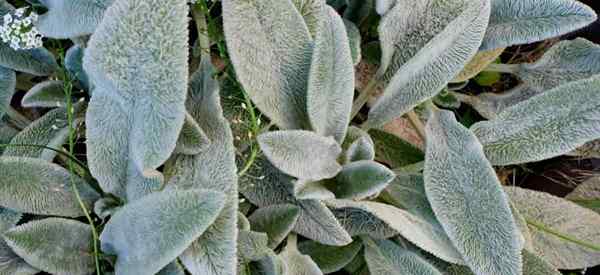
(48, 94)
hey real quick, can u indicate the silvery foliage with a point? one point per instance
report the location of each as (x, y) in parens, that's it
(319, 194)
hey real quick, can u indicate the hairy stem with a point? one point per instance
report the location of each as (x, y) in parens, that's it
(363, 97)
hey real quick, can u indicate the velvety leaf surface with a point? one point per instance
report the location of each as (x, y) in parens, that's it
(420, 55)
(545, 212)
(192, 139)
(387, 258)
(358, 145)
(158, 227)
(172, 269)
(466, 197)
(534, 265)
(527, 21)
(11, 263)
(544, 126)
(270, 48)
(587, 194)
(67, 18)
(50, 130)
(477, 64)
(213, 169)
(8, 81)
(135, 116)
(301, 154)
(39, 187)
(407, 191)
(330, 258)
(331, 80)
(313, 13)
(252, 246)
(489, 105)
(39, 62)
(383, 6)
(275, 220)
(298, 263)
(355, 41)
(47, 94)
(370, 217)
(315, 190)
(362, 179)
(55, 245)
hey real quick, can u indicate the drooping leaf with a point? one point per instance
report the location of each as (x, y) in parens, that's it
(467, 199)
(213, 169)
(276, 220)
(435, 56)
(534, 265)
(587, 194)
(271, 186)
(157, 227)
(477, 64)
(54, 245)
(312, 12)
(302, 154)
(358, 145)
(270, 48)
(11, 263)
(39, 187)
(547, 125)
(489, 105)
(550, 219)
(74, 64)
(51, 130)
(355, 41)
(298, 263)
(331, 80)
(66, 19)
(8, 82)
(362, 179)
(387, 258)
(527, 21)
(192, 139)
(564, 62)
(380, 220)
(394, 151)
(39, 62)
(47, 94)
(330, 258)
(146, 105)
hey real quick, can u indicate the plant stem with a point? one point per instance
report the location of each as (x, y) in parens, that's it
(502, 68)
(363, 97)
(202, 28)
(568, 238)
(415, 121)
(68, 90)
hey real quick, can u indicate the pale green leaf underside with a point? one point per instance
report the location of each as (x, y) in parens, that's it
(545, 126)
(135, 238)
(526, 21)
(276, 220)
(302, 154)
(330, 258)
(39, 187)
(429, 237)
(534, 265)
(362, 179)
(562, 216)
(11, 263)
(467, 199)
(55, 245)
(213, 169)
(418, 61)
(297, 263)
(67, 18)
(145, 106)
(387, 258)
(270, 48)
(39, 62)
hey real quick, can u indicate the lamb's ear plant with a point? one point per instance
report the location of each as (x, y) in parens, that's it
(122, 153)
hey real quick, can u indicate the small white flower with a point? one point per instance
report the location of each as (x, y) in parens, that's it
(19, 31)
(20, 12)
(7, 18)
(244, 106)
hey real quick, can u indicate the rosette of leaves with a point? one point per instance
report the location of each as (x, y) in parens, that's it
(156, 188)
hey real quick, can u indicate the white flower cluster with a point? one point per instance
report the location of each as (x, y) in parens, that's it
(19, 31)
